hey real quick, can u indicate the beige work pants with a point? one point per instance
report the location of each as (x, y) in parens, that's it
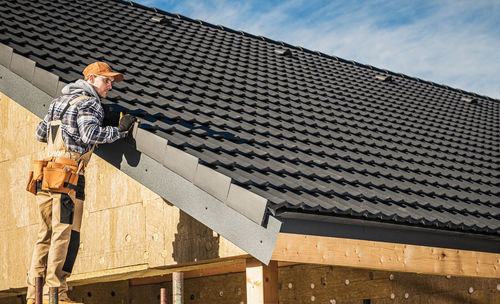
(58, 241)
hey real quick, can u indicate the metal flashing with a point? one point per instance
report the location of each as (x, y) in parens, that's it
(247, 203)
(22, 66)
(24, 92)
(213, 182)
(181, 162)
(152, 145)
(5, 55)
(46, 81)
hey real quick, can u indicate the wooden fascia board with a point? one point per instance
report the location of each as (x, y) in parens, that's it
(311, 249)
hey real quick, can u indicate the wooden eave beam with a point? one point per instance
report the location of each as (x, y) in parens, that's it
(385, 256)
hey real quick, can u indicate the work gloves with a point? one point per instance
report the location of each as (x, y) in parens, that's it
(126, 122)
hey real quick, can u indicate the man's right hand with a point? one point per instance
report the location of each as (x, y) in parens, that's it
(126, 122)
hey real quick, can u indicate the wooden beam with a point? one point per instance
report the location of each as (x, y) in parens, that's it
(234, 266)
(262, 282)
(138, 273)
(385, 256)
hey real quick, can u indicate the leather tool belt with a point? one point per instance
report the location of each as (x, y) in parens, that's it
(56, 174)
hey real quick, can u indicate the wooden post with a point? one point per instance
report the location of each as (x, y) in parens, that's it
(262, 282)
(177, 286)
(163, 296)
(53, 295)
(38, 290)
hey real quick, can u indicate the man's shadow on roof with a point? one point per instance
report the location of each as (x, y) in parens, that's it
(120, 151)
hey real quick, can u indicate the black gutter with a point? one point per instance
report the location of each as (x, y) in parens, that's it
(330, 226)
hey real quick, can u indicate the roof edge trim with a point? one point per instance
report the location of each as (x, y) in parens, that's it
(27, 69)
(6, 55)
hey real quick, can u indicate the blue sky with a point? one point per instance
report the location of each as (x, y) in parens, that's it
(452, 42)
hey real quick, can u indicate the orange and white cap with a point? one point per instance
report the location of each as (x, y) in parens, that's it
(103, 69)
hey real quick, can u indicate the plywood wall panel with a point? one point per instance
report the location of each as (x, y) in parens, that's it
(23, 204)
(17, 130)
(159, 230)
(7, 220)
(19, 253)
(112, 238)
(5, 238)
(108, 187)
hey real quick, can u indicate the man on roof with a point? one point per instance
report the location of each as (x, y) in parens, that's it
(72, 128)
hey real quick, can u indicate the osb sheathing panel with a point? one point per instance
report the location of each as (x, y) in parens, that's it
(120, 189)
(116, 235)
(17, 125)
(16, 255)
(124, 223)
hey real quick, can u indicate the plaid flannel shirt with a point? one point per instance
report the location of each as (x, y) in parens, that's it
(81, 124)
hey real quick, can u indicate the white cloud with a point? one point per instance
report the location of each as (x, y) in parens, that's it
(450, 42)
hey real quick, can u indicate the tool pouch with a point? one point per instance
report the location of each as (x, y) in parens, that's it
(38, 166)
(35, 175)
(59, 179)
(58, 176)
(54, 178)
(31, 186)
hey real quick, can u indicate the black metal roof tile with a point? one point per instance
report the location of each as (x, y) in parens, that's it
(409, 152)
